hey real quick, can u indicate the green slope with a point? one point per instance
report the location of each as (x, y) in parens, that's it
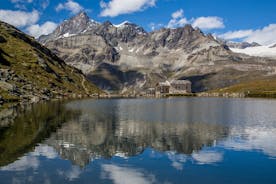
(256, 88)
(30, 71)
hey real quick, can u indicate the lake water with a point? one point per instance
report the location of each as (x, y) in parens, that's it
(140, 141)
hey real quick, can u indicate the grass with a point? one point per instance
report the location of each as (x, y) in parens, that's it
(24, 57)
(257, 88)
(182, 95)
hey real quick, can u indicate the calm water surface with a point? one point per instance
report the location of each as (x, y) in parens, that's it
(140, 141)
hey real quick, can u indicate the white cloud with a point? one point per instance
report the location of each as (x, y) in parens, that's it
(258, 138)
(31, 161)
(125, 175)
(21, 1)
(178, 19)
(178, 14)
(208, 23)
(19, 18)
(117, 7)
(45, 150)
(73, 173)
(71, 6)
(24, 163)
(264, 36)
(207, 157)
(261, 51)
(20, 4)
(44, 29)
(45, 4)
(153, 26)
(236, 34)
(178, 160)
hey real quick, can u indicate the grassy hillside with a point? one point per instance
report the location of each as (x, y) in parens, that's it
(29, 71)
(256, 88)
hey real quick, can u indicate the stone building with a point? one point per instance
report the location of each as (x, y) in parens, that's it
(150, 92)
(174, 87)
(180, 86)
(163, 87)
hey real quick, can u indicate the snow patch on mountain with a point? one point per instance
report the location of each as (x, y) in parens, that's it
(66, 35)
(261, 51)
(122, 24)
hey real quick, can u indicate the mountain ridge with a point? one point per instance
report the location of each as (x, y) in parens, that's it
(165, 54)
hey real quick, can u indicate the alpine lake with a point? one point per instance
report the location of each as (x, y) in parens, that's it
(140, 141)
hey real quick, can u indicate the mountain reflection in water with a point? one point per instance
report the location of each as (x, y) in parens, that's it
(120, 138)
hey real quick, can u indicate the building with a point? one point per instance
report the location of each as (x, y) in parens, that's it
(174, 87)
(150, 92)
(163, 87)
(180, 86)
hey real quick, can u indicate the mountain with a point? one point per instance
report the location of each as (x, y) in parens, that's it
(242, 45)
(237, 45)
(251, 49)
(75, 25)
(31, 72)
(125, 58)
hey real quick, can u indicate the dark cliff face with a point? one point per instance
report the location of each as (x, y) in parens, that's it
(171, 53)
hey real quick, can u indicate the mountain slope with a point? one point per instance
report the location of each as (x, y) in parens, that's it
(165, 54)
(30, 72)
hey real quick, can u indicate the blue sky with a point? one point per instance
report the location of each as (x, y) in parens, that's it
(243, 20)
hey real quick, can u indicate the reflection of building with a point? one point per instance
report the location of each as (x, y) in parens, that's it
(174, 87)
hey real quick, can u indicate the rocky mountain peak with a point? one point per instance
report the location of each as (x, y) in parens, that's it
(210, 36)
(127, 24)
(189, 27)
(74, 25)
(128, 31)
(107, 24)
(123, 24)
(255, 44)
(81, 15)
(134, 27)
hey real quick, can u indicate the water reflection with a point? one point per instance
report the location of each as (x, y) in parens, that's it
(98, 134)
(125, 175)
(253, 138)
(120, 141)
(23, 128)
